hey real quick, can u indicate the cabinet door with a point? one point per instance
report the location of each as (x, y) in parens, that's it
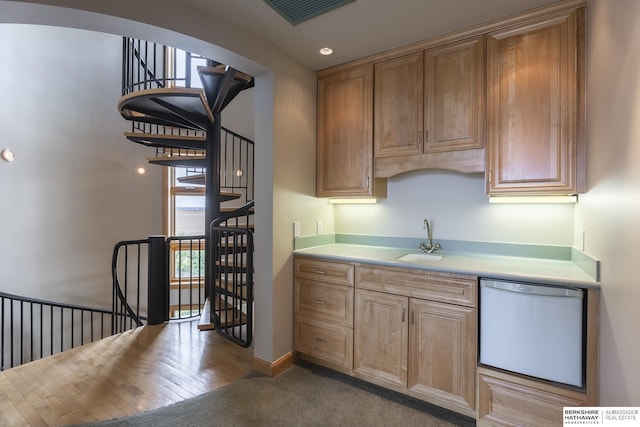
(455, 96)
(345, 137)
(532, 107)
(398, 107)
(442, 354)
(381, 337)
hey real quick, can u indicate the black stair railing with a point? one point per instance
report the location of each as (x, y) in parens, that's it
(31, 329)
(157, 279)
(231, 237)
(128, 274)
(186, 288)
(147, 65)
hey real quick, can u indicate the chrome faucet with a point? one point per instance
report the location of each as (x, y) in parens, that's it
(428, 246)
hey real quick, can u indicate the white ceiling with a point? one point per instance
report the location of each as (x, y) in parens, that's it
(361, 28)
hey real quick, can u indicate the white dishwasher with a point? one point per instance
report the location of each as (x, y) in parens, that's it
(534, 330)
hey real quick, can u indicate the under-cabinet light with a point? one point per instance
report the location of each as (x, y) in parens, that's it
(353, 201)
(534, 199)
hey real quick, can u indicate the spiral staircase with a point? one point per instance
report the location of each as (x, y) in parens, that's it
(183, 124)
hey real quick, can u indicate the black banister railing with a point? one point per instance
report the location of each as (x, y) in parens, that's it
(127, 266)
(148, 65)
(231, 237)
(186, 290)
(31, 328)
(157, 279)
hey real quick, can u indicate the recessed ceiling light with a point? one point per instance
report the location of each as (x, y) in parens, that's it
(326, 51)
(141, 171)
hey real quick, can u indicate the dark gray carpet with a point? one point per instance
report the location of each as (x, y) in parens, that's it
(304, 395)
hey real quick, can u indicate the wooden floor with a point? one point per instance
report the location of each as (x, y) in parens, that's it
(138, 370)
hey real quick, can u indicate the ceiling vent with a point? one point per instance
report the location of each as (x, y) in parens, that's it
(297, 11)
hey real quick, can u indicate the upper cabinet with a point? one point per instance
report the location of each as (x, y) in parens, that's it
(506, 99)
(429, 106)
(399, 94)
(345, 133)
(536, 107)
(455, 96)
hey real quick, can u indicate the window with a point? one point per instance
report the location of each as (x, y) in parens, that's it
(185, 209)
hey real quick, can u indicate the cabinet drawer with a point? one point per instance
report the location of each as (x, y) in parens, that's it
(509, 400)
(443, 287)
(332, 343)
(324, 301)
(325, 271)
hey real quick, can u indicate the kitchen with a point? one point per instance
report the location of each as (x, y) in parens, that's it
(419, 323)
(370, 220)
(456, 203)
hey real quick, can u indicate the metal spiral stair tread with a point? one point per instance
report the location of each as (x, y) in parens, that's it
(168, 141)
(176, 107)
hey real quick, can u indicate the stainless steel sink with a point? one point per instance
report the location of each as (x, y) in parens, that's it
(420, 258)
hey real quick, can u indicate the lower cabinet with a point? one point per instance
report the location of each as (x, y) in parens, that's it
(323, 329)
(512, 400)
(415, 332)
(422, 347)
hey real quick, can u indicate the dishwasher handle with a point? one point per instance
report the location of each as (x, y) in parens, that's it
(528, 289)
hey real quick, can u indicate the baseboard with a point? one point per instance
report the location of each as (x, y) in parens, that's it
(273, 369)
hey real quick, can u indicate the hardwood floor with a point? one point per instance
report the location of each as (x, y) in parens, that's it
(125, 374)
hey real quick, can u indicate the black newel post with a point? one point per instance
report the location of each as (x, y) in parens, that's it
(158, 289)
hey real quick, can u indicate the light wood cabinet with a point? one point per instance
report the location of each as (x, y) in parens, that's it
(511, 400)
(425, 348)
(455, 96)
(345, 134)
(323, 329)
(381, 337)
(536, 106)
(442, 352)
(399, 95)
(513, 88)
(428, 107)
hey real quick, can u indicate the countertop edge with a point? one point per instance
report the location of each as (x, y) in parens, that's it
(323, 252)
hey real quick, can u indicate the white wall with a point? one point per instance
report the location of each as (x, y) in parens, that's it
(610, 211)
(458, 209)
(72, 191)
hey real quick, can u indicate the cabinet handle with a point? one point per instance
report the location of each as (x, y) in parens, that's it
(317, 301)
(419, 137)
(320, 272)
(403, 310)
(320, 340)
(412, 317)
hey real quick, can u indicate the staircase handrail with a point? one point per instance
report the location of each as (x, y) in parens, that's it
(118, 295)
(241, 211)
(53, 303)
(23, 328)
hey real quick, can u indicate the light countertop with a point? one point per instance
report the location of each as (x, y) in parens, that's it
(525, 269)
